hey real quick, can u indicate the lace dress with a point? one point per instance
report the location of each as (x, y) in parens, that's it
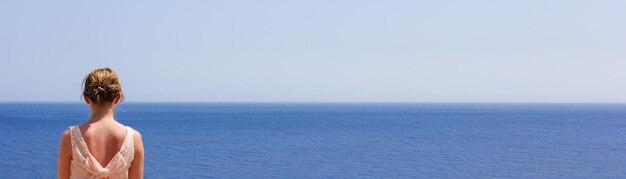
(84, 165)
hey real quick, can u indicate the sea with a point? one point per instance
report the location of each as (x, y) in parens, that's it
(338, 140)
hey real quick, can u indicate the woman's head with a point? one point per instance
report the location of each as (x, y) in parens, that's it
(102, 86)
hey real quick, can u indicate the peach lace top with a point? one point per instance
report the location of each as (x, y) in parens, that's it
(84, 165)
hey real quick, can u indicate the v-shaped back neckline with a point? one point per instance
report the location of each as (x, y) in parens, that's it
(84, 143)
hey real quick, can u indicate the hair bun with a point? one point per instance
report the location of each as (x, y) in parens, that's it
(98, 90)
(102, 85)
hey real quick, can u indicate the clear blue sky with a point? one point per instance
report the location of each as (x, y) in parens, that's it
(318, 51)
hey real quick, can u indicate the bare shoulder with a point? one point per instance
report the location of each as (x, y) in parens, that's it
(136, 135)
(136, 167)
(65, 148)
(65, 136)
(138, 141)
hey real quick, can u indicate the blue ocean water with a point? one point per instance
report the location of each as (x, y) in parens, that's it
(327, 140)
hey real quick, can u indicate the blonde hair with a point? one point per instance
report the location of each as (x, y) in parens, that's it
(102, 85)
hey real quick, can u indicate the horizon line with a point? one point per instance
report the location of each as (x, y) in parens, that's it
(311, 102)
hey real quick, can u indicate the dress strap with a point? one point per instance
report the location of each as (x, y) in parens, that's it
(129, 134)
(128, 148)
(75, 137)
(79, 149)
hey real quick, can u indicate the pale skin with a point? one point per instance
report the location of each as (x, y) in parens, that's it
(104, 137)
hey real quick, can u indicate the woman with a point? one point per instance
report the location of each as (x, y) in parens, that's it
(101, 147)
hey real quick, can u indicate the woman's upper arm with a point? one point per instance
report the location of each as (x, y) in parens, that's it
(136, 166)
(65, 155)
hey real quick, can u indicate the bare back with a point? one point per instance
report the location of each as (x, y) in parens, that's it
(113, 156)
(103, 141)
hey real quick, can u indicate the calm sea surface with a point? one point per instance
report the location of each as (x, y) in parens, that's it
(339, 140)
